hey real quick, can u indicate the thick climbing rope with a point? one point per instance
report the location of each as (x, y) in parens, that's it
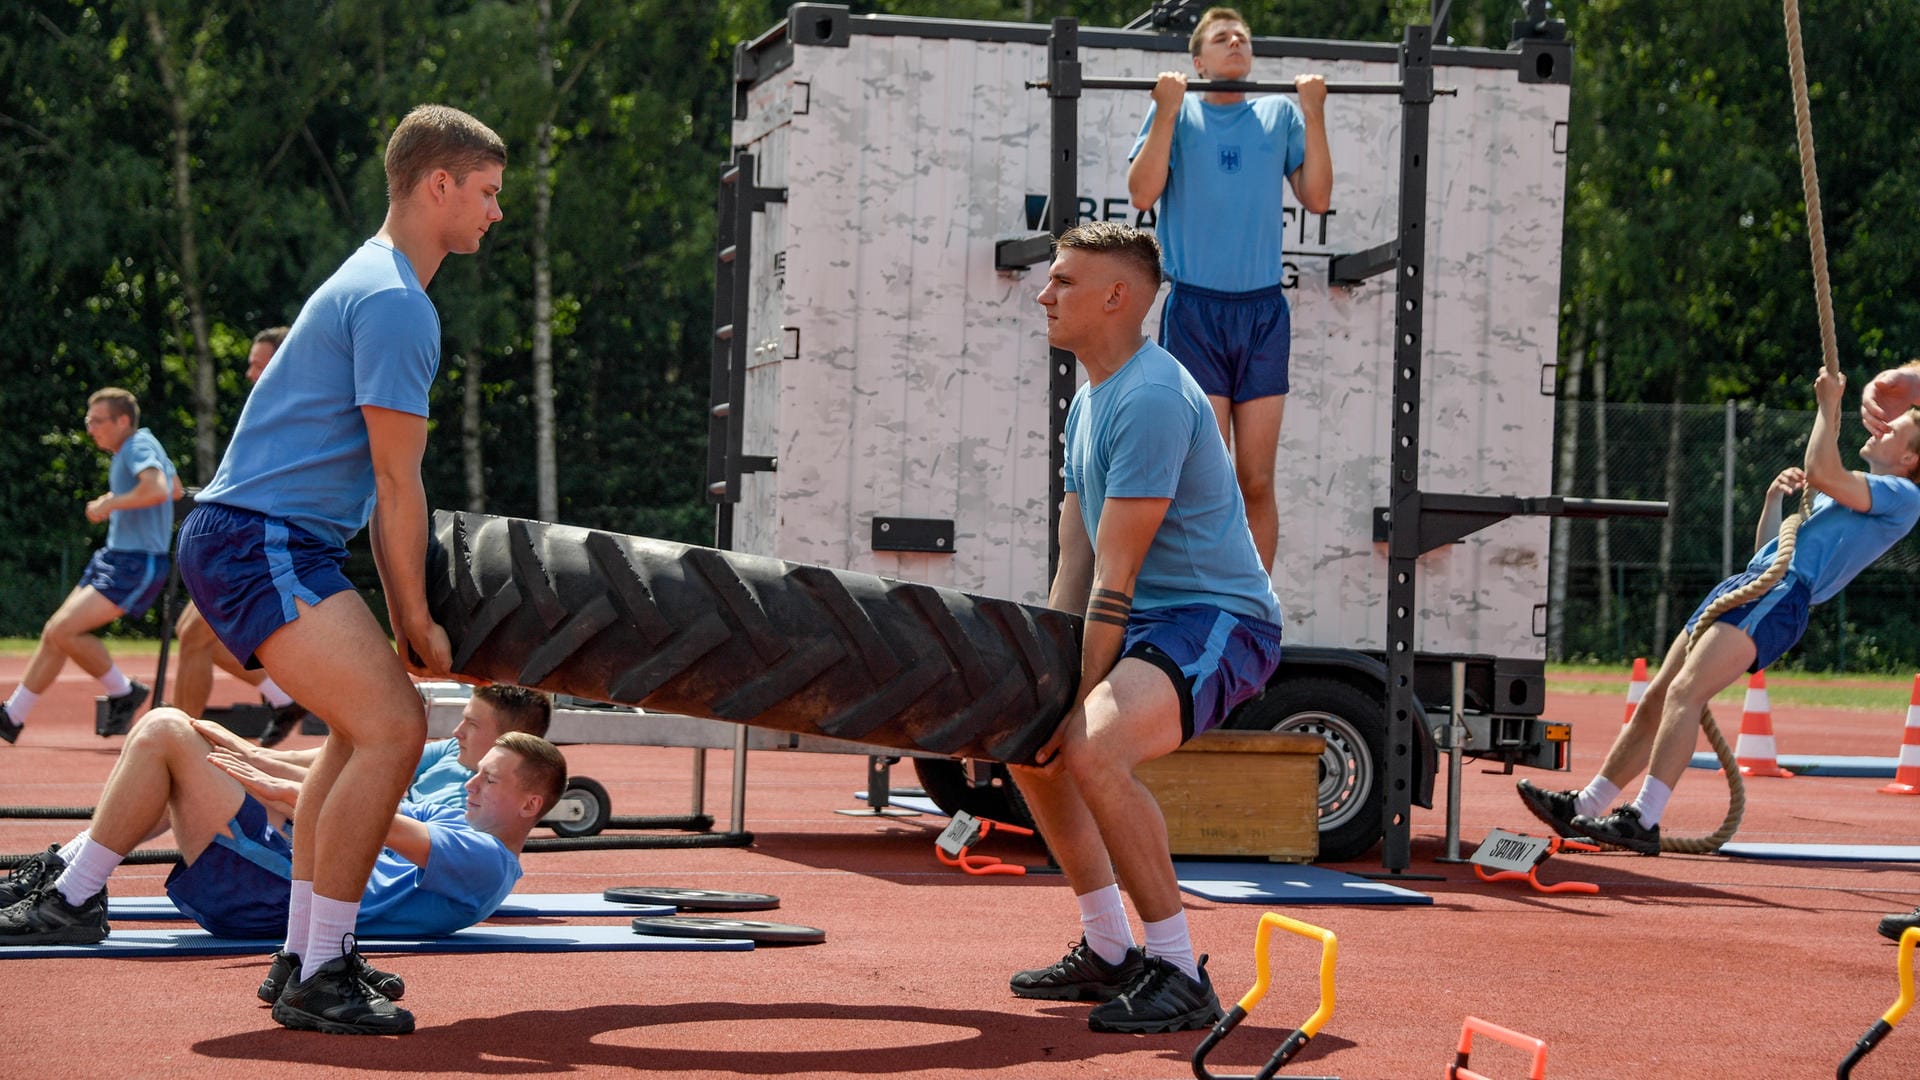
(1790, 526)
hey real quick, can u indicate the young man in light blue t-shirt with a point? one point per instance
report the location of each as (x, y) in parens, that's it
(329, 443)
(1181, 626)
(125, 575)
(1218, 164)
(1856, 518)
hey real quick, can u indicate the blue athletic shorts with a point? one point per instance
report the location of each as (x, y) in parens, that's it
(240, 886)
(244, 571)
(1775, 621)
(1236, 345)
(1216, 660)
(131, 579)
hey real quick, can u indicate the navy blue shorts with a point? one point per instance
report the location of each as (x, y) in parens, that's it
(1216, 660)
(241, 885)
(132, 580)
(1775, 621)
(244, 570)
(1236, 345)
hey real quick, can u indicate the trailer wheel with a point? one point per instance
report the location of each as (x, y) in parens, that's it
(1351, 781)
(592, 799)
(749, 639)
(951, 789)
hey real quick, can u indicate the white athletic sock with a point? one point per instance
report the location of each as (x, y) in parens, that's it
(115, 681)
(87, 874)
(72, 847)
(1103, 919)
(299, 915)
(332, 921)
(275, 696)
(1596, 798)
(1169, 940)
(21, 703)
(1652, 801)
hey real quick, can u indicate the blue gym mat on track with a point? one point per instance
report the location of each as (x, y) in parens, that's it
(530, 939)
(1826, 852)
(1286, 883)
(1816, 764)
(518, 906)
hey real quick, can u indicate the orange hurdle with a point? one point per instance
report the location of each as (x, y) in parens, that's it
(1474, 1025)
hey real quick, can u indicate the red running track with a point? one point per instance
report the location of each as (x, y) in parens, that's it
(1682, 967)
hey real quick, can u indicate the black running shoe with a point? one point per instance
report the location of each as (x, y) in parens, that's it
(1893, 926)
(1621, 829)
(9, 727)
(45, 918)
(336, 1002)
(26, 878)
(1556, 808)
(285, 719)
(1161, 999)
(120, 710)
(286, 965)
(1081, 975)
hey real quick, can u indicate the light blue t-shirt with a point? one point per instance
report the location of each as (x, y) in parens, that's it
(1836, 543)
(1220, 223)
(468, 875)
(150, 528)
(440, 779)
(367, 336)
(1147, 432)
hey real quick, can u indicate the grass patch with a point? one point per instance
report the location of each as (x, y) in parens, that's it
(1809, 689)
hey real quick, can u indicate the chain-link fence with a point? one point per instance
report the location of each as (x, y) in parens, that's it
(1625, 588)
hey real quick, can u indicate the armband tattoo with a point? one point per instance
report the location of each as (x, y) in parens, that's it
(1110, 607)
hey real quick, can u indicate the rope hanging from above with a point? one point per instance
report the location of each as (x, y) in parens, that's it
(1790, 526)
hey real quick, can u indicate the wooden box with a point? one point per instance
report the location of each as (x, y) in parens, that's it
(1241, 793)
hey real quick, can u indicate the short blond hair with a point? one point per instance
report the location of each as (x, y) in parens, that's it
(1136, 246)
(118, 402)
(542, 768)
(438, 137)
(1208, 18)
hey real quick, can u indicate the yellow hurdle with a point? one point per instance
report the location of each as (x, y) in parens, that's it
(1263, 978)
(1880, 1028)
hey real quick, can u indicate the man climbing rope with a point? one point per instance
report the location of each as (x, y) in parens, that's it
(1856, 518)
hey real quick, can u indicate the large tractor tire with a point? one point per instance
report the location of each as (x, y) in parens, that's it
(749, 639)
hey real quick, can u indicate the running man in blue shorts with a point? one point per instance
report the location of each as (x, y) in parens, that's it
(445, 765)
(330, 442)
(1181, 626)
(1856, 518)
(123, 578)
(445, 868)
(1217, 165)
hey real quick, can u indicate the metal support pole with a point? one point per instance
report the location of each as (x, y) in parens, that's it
(699, 781)
(1726, 502)
(1456, 735)
(737, 812)
(1403, 543)
(1063, 195)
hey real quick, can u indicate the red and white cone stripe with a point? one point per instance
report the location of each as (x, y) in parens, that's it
(1754, 752)
(1636, 688)
(1906, 776)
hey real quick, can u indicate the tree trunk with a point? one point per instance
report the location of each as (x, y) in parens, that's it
(206, 405)
(1602, 534)
(1563, 527)
(471, 443)
(545, 472)
(1675, 430)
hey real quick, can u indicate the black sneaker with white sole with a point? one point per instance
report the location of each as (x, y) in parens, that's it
(1893, 926)
(120, 710)
(285, 720)
(46, 918)
(1161, 999)
(1555, 808)
(337, 1002)
(42, 867)
(9, 727)
(286, 966)
(1081, 975)
(1621, 829)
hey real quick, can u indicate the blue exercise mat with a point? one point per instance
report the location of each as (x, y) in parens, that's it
(1817, 764)
(1286, 883)
(1826, 852)
(518, 906)
(530, 939)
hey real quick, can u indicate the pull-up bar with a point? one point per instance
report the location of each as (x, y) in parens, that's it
(1231, 86)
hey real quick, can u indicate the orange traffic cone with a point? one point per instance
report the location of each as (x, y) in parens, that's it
(1906, 777)
(1754, 751)
(1636, 688)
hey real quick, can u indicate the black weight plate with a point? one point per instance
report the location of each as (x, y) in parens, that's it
(694, 899)
(766, 933)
